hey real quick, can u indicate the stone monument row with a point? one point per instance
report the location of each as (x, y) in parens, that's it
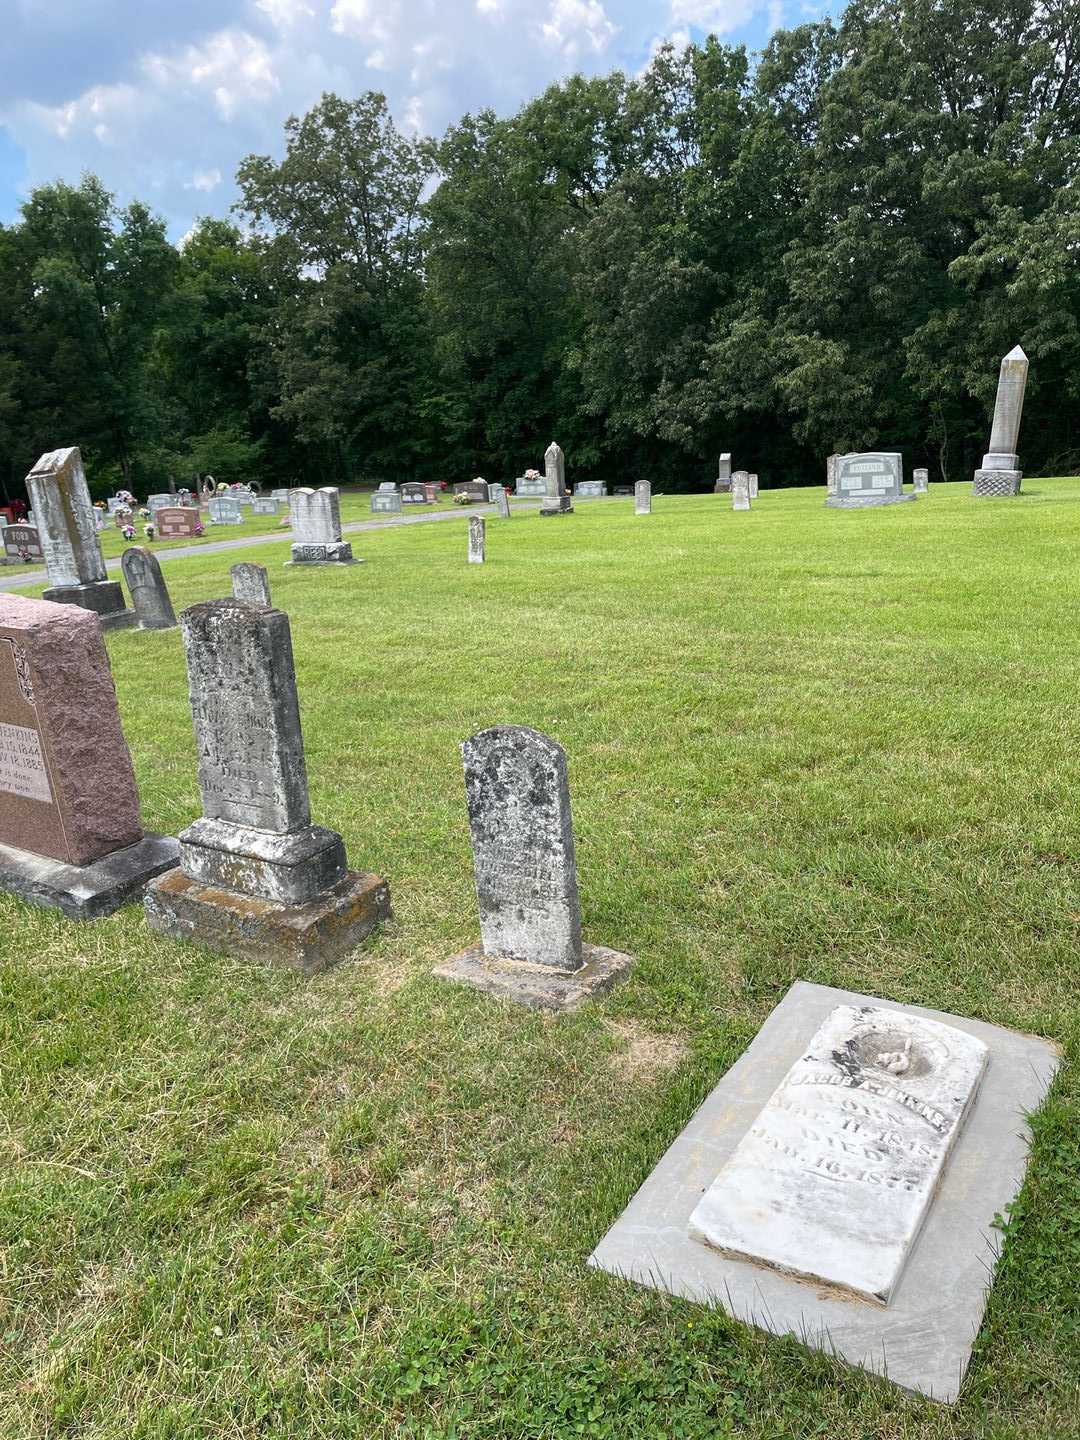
(316, 527)
(149, 593)
(531, 950)
(70, 832)
(68, 535)
(556, 501)
(256, 877)
(999, 473)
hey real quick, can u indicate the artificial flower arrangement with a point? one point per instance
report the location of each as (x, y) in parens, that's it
(148, 531)
(198, 527)
(128, 532)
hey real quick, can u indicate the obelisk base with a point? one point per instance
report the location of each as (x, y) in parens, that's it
(333, 552)
(104, 597)
(305, 937)
(997, 482)
(540, 987)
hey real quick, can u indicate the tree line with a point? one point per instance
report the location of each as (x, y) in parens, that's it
(827, 250)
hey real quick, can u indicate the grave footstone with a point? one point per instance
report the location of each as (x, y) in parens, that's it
(840, 1184)
(149, 593)
(740, 490)
(531, 949)
(316, 527)
(920, 480)
(476, 539)
(874, 478)
(256, 877)
(61, 499)
(999, 473)
(70, 833)
(556, 500)
(723, 478)
(174, 520)
(643, 497)
(251, 582)
(22, 544)
(225, 509)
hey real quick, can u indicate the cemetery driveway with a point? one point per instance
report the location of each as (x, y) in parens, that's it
(13, 579)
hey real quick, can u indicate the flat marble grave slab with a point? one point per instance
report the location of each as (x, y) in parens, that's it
(942, 1250)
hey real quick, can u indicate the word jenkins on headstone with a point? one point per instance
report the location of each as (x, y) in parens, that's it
(531, 951)
(256, 877)
(70, 832)
(316, 528)
(68, 535)
(1000, 472)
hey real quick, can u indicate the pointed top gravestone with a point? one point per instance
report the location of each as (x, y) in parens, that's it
(999, 473)
(556, 501)
(149, 593)
(518, 796)
(65, 522)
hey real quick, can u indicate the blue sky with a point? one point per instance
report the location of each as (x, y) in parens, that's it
(162, 100)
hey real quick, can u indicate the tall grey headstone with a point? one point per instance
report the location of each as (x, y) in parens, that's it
(251, 582)
(643, 497)
(256, 876)
(740, 490)
(832, 469)
(751, 481)
(556, 501)
(149, 593)
(476, 539)
(872, 478)
(518, 798)
(723, 478)
(920, 479)
(64, 514)
(316, 527)
(999, 473)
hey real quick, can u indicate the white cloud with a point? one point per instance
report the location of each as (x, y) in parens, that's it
(205, 180)
(720, 17)
(575, 25)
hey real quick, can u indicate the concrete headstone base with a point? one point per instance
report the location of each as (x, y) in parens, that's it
(540, 987)
(997, 482)
(104, 597)
(87, 892)
(922, 1339)
(306, 937)
(338, 552)
(837, 501)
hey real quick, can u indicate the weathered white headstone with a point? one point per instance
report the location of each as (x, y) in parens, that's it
(873, 478)
(316, 527)
(920, 480)
(476, 539)
(834, 1179)
(250, 582)
(751, 481)
(999, 473)
(643, 497)
(502, 500)
(590, 490)
(149, 593)
(740, 490)
(68, 535)
(518, 797)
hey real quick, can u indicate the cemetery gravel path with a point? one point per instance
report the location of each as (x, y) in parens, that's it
(24, 579)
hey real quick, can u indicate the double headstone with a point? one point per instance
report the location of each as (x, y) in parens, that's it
(22, 543)
(740, 490)
(529, 485)
(874, 478)
(316, 527)
(149, 593)
(723, 478)
(531, 950)
(476, 539)
(386, 502)
(256, 876)
(590, 490)
(556, 500)
(264, 505)
(643, 497)
(158, 502)
(61, 500)
(413, 493)
(250, 582)
(225, 509)
(920, 481)
(173, 520)
(70, 832)
(999, 473)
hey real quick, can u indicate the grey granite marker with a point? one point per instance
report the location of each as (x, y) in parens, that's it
(999, 473)
(531, 949)
(740, 490)
(920, 480)
(873, 478)
(65, 522)
(256, 876)
(502, 500)
(643, 497)
(723, 478)
(556, 501)
(251, 582)
(476, 539)
(316, 527)
(590, 490)
(149, 593)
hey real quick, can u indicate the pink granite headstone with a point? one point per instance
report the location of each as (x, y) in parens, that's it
(67, 787)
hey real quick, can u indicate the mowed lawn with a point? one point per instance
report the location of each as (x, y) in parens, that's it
(803, 744)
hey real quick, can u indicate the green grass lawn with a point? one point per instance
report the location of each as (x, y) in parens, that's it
(803, 744)
(355, 505)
